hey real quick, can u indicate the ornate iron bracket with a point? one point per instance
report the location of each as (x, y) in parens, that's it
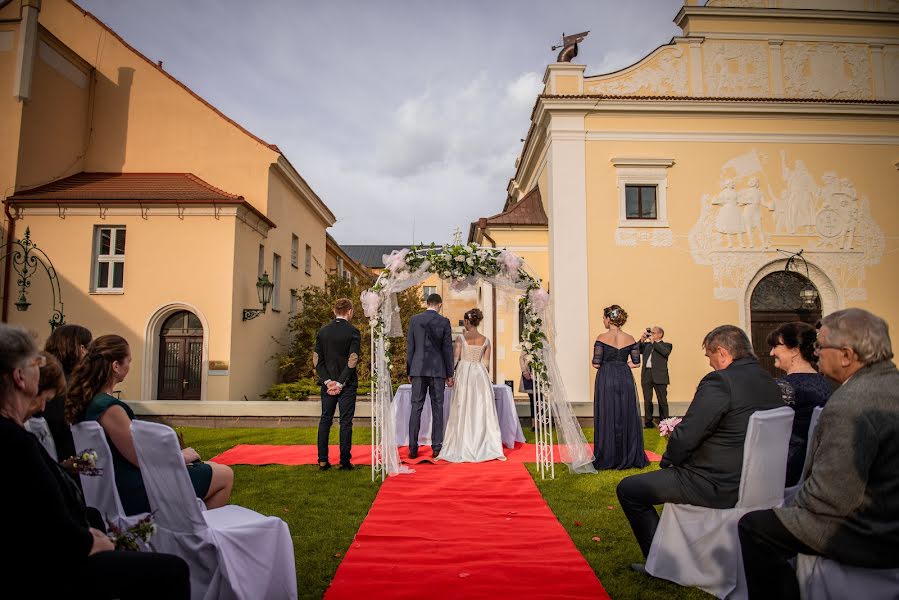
(252, 313)
(25, 260)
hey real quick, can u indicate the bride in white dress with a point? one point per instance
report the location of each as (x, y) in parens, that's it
(472, 433)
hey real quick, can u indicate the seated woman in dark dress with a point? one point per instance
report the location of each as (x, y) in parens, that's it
(90, 398)
(617, 431)
(55, 545)
(68, 343)
(793, 349)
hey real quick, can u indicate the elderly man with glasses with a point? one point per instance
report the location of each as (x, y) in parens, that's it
(848, 507)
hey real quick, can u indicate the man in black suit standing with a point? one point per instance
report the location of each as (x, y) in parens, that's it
(429, 363)
(704, 460)
(335, 358)
(654, 375)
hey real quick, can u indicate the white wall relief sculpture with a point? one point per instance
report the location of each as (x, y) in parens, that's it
(762, 205)
(662, 75)
(735, 68)
(826, 70)
(659, 238)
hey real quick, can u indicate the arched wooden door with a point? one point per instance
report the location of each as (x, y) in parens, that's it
(180, 357)
(776, 300)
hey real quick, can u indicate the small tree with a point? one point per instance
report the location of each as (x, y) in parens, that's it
(315, 309)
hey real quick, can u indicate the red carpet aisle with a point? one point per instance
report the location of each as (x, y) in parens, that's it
(463, 531)
(250, 454)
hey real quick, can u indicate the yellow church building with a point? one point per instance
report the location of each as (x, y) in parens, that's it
(683, 186)
(159, 213)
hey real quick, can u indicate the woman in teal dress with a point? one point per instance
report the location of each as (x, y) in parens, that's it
(90, 398)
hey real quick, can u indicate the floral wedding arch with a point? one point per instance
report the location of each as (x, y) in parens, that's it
(465, 265)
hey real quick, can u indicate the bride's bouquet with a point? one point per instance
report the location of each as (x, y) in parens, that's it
(83, 463)
(666, 426)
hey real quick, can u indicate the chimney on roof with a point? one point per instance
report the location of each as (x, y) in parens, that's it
(159, 63)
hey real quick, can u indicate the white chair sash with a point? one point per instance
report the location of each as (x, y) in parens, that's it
(790, 492)
(824, 579)
(100, 491)
(233, 552)
(698, 546)
(37, 426)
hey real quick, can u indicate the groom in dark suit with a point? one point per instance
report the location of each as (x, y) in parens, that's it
(429, 363)
(335, 358)
(654, 375)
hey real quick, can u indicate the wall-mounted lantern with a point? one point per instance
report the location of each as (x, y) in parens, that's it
(808, 295)
(264, 289)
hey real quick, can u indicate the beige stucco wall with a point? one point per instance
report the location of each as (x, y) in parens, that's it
(168, 260)
(10, 108)
(97, 105)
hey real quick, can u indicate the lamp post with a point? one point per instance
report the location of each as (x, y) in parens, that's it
(264, 289)
(25, 258)
(808, 295)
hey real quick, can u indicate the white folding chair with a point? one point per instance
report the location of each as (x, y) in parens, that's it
(37, 426)
(790, 492)
(697, 546)
(100, 491)
(233, 552)
(824, 579)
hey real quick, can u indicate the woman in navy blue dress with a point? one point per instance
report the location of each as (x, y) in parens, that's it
(793, 349)
(617, 432)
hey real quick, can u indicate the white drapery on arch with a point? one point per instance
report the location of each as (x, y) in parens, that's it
(465, 265)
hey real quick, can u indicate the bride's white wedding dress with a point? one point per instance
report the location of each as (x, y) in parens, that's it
(472, 433)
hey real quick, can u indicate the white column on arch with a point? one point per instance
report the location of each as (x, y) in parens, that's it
(567, 212)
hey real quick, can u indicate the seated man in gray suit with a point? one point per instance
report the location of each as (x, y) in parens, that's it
(654, 375)
(429, 363)
(704, 459)
(848, 508)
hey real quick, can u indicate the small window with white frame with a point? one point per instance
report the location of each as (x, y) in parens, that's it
(642, 191)
(308, 263)
(108, 272)
(427, 290)
(260, 264)
(295, 251)
(276, 282)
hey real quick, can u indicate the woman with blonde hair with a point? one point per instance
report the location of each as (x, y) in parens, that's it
(617, 433)
(90, 398)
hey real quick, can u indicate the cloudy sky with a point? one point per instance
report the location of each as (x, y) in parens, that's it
(399, 113)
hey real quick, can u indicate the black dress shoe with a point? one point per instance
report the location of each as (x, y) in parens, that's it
(649, 426)
(413, 453)
(436, 451)
(345, 466)
(639, 568)
(324, 466)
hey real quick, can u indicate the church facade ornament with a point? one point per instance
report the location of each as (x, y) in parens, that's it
(764, 203)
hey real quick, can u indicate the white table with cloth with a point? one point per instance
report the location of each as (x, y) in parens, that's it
(509, 424)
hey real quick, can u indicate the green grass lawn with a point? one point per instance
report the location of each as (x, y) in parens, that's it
(324, 510)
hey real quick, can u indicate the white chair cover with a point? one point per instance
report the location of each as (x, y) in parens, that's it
(790, 492)
(37, 426)
(697, 546)
(824, 579)
(100, 491)
(233, 552)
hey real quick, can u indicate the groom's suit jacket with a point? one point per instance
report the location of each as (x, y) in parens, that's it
(337, 353)
(429, 346)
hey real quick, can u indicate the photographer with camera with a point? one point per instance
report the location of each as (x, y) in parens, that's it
(654, 374)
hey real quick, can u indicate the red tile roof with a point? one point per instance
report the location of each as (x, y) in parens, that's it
(527, 211)
(122, 189)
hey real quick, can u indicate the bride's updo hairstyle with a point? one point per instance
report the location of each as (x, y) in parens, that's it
(615, 314)
(474, 316)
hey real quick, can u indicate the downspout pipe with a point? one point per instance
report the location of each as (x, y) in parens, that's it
(482, 225)
(7, 261)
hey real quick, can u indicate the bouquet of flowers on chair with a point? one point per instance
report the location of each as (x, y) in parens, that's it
(666, 426)
(135, 537)
(83, 463)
